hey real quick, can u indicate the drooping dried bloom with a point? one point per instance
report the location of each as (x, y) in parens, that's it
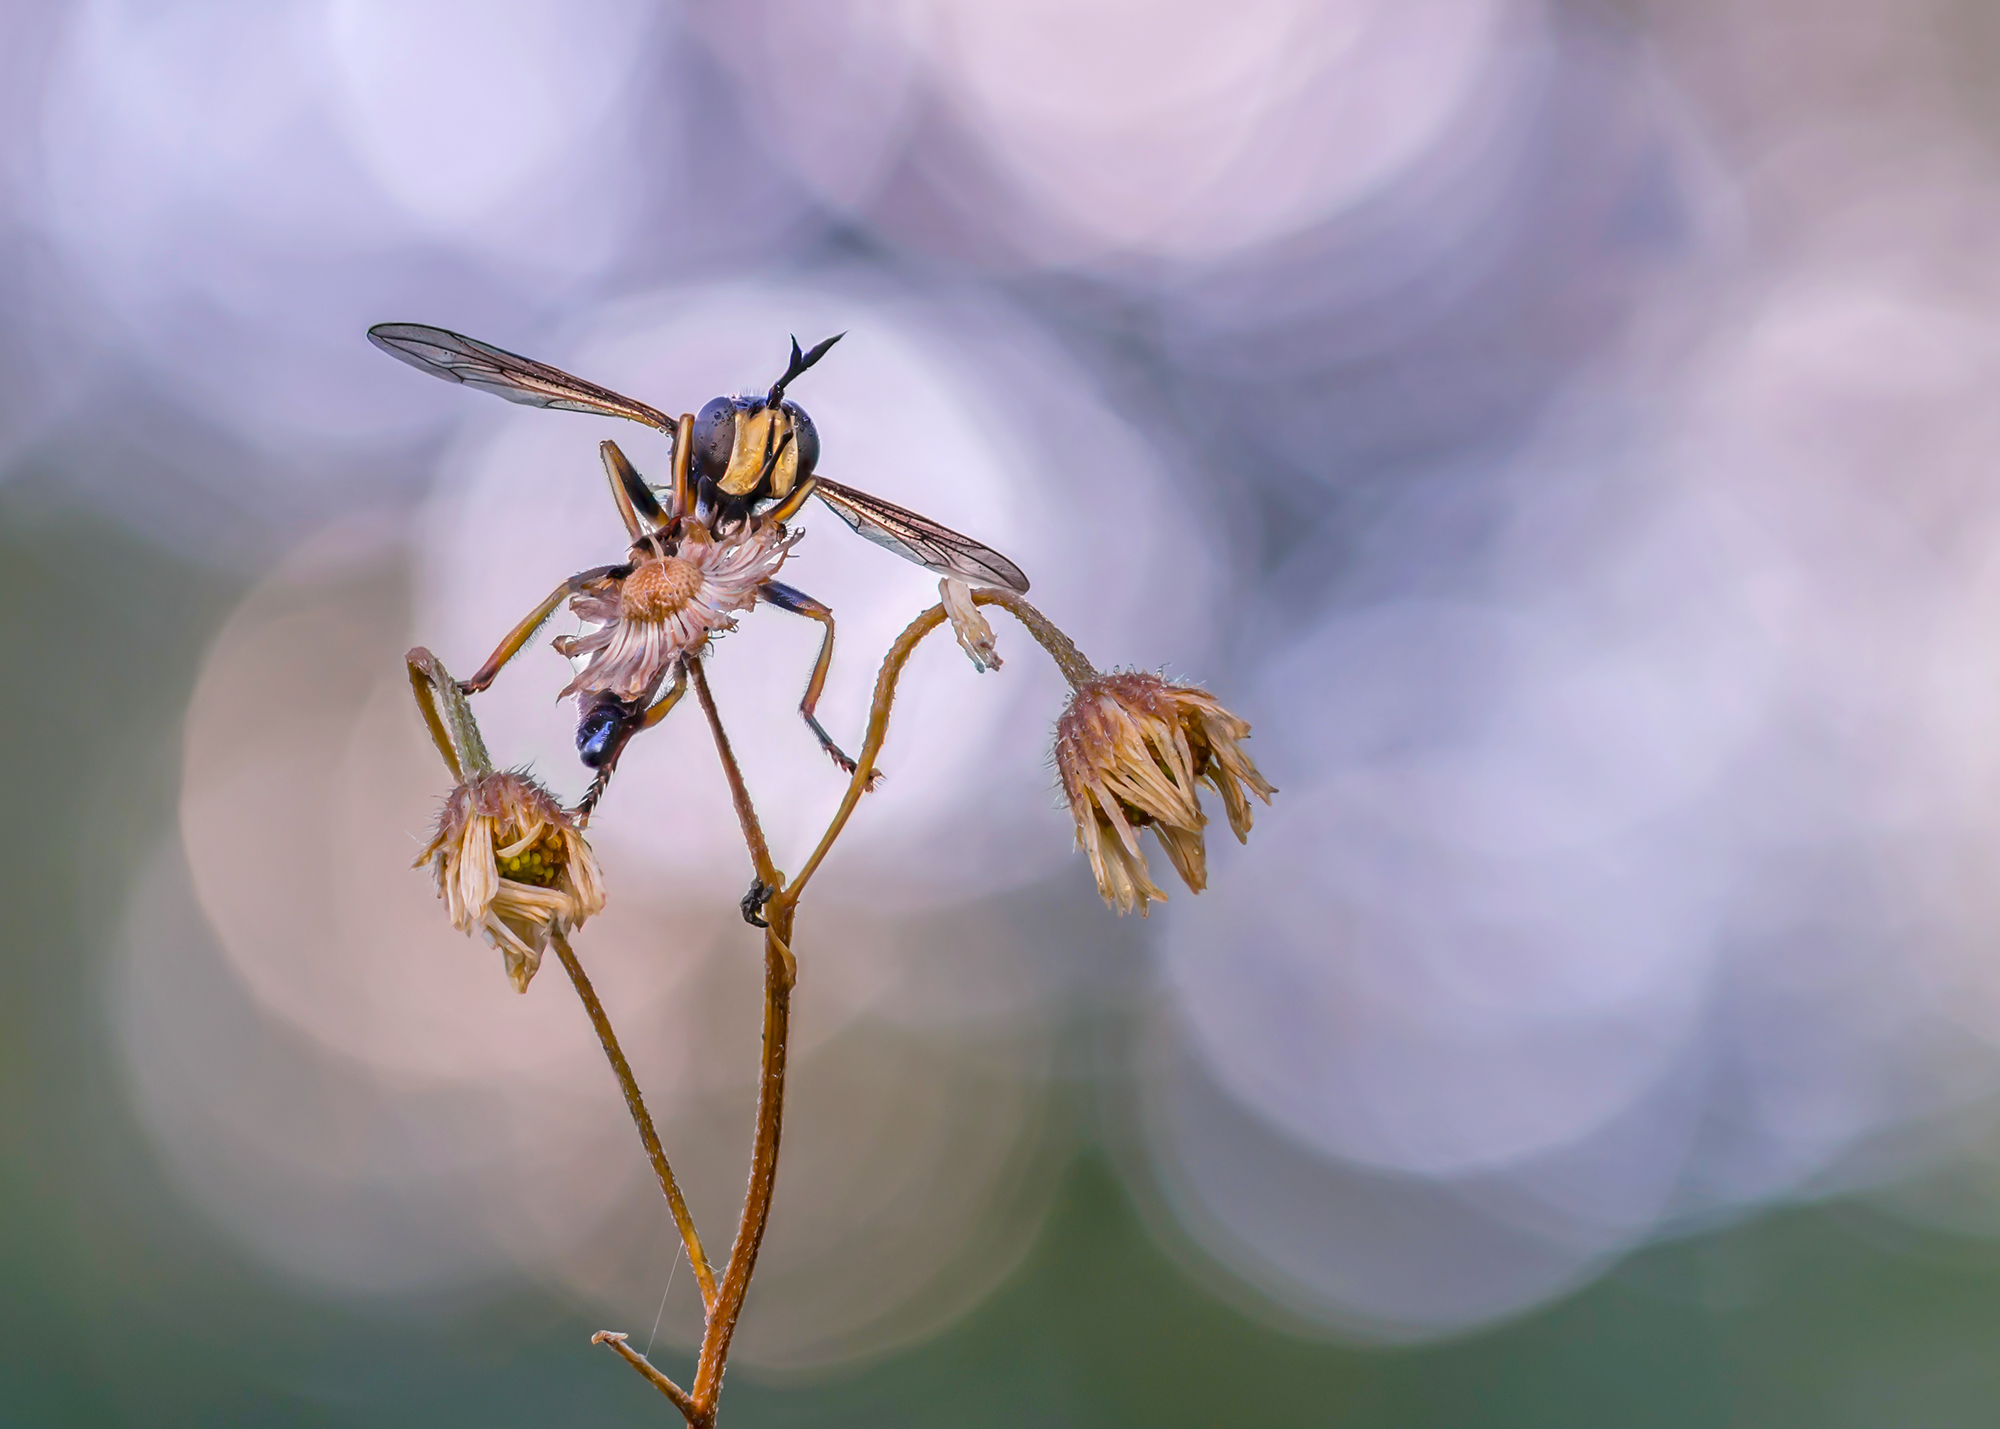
(1133, 751)
(975, 636)
(509, 863)
(669, 606)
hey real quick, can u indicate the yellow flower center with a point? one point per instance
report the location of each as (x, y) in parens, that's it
(659, 588)
(540, 863)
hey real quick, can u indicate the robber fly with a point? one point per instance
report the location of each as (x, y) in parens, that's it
(742, 468)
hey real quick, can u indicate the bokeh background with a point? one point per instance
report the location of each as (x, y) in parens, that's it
(1567, 431)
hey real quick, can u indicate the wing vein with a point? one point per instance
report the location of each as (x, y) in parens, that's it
(920, 539)
(458, 358)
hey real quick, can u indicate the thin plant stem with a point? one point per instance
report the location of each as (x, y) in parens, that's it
(780, 971)
(453, 729)
(420, 685)
(746, 813)
(1061, 648)
(682, 1400)
(780, 974)
(636, 1104)
(725, 1301)
(1075, 668)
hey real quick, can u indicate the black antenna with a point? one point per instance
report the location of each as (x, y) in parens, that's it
(799, 363)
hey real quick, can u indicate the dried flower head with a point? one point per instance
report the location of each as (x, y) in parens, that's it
(510, 863)
(1133, 750)
(668, 606)
(975, 635)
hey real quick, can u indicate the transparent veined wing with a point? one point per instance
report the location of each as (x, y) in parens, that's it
(920, 539)
(458, 358)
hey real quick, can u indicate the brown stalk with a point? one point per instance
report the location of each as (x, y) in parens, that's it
(725, 1301)
(746, 813)
(636, 1104)
(1061, 649)
(453, 729)
(780, 972)
(420, 661)
(616, 1339)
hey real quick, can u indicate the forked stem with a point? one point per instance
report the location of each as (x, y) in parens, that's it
(680, 1397)
(780, 972)
(725, 1300)
(636, 1104)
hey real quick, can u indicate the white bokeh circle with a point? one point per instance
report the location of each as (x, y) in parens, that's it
(1160, 128)
(354, 1091)
(243, 187)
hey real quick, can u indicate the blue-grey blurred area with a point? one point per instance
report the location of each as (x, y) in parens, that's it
(1566, 432)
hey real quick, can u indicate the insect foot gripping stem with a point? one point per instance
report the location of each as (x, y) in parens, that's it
(754, 901)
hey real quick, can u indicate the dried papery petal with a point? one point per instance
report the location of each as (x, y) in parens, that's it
(1133, 750)
(1187, 852)
(511, 865)
(975, 635)
(1225, 767)
(669, 606)
(1115, 861)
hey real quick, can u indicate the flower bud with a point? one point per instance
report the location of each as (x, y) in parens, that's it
(1133, 751)
(511, 864)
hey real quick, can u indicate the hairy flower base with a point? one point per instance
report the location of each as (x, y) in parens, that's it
(1133, 751)
(669, 606)
(510, 864)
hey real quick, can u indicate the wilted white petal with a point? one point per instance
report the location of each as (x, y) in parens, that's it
(975, 635)
(511, 865)
(670, 606)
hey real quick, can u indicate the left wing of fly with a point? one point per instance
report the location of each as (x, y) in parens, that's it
(458, 358)
(920, 539)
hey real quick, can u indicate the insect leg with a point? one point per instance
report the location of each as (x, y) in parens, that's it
(683, 502)
(619, 496)
(637, 506)
(754, 901)
(799, 603)
(788, 508)
(521, 634)
(667, 701)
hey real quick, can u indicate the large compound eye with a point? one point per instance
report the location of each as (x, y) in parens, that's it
(714, 438)
(805, 436)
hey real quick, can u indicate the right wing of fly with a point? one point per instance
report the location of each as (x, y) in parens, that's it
(457, 358)
(920, 539)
